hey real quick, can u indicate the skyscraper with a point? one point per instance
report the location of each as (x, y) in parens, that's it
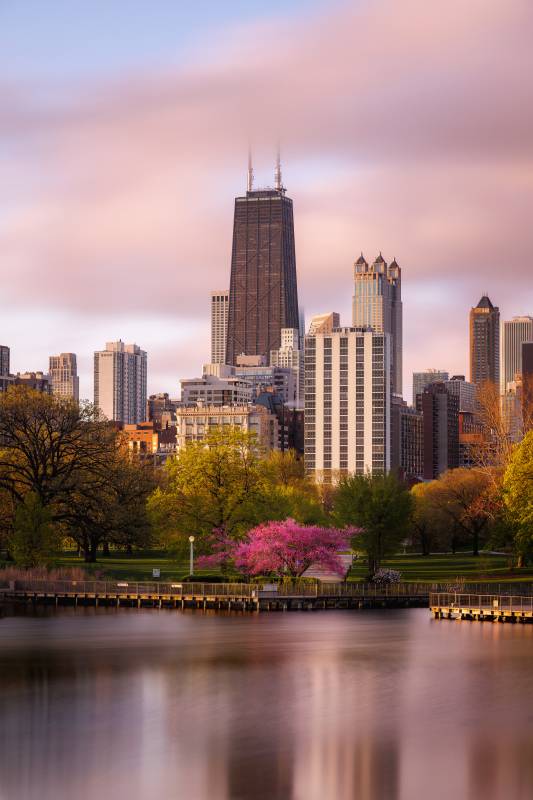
(219, 325)
(120, 382)
(347, 403)
(377, 303)
(527, 386)
(263, 296)
(64, 376)
(485, 343)
(514, 333)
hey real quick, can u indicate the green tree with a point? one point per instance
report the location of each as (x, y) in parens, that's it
(213, 484)
(518, 498)
(289, 492)
(381, 506)
(34, 536)
(430, 528)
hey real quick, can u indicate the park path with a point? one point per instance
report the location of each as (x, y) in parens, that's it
(324, 574)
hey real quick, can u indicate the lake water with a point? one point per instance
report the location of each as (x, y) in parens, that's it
(327, 705)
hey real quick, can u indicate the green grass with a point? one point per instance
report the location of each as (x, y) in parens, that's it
(414, 568)
(137, 567)
(444, 568)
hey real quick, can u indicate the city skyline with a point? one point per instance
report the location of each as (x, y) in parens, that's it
(110, 245)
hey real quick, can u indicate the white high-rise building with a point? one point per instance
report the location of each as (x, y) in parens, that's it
(219, 325)
(377, 303)
(120, 373)
(64, 376)
(347, 403)
(290, 356)
(513, 334)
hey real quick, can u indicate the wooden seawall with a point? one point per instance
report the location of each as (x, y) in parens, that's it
(482, 607)
(243, 596)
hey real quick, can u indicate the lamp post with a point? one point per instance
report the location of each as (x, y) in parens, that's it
(191, 559)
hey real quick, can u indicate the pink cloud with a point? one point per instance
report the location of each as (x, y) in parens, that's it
(121, 197)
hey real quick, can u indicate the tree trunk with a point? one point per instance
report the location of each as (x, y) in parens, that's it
(129, 549)
(475, 542)
(105, 549)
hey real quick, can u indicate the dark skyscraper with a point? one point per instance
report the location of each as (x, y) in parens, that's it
(484, 343)
(440, 411)
(263, 296)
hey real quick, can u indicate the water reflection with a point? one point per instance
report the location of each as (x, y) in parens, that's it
(366, 705)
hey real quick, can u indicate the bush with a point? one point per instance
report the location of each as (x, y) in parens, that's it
(386, 577)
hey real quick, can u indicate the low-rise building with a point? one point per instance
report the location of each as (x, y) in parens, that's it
(194, 421)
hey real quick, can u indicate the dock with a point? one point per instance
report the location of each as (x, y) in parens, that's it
(230, 596)
(482, 607)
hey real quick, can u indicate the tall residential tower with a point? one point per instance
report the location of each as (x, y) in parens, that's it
(377, 303)
(219, 325)
(120, 382)
(263, 295)
(514, 333)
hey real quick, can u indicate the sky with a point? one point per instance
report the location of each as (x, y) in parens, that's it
(405, 128)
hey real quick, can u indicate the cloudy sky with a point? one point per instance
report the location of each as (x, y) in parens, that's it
(406, 126)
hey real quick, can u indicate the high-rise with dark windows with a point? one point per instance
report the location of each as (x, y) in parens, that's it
(263, 296)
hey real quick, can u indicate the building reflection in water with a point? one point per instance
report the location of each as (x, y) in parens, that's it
(372, 706)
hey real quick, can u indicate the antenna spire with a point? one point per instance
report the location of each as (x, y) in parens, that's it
(278, 182)
(250, 181)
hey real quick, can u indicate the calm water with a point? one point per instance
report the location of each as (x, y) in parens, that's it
(372, 705)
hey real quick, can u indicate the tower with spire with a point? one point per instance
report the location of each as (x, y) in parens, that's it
(377, 303)
(263, 295)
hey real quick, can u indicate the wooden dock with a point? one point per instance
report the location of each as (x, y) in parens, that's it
(237, 596)
(482, 607)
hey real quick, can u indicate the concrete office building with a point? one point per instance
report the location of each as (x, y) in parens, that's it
(423, 379)
(290, 356)
(377, 303)
(219, 325)
(514, 333)
(64, 376)
(120, 377)
(440, 411)
(37, 381)
(347, 403)
(527, 386)
(465, 392)
(216, 391)
(407, 440)
(485, 343)
(5, 379)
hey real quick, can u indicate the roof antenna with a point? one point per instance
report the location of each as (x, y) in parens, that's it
(250, 181)
(277, 183)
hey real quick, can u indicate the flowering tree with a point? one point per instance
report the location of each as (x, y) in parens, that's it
(289, 548)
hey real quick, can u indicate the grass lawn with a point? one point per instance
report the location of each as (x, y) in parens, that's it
(444, 568)
(137, 567)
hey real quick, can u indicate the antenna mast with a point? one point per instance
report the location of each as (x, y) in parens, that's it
(250, 181)
(277, 175)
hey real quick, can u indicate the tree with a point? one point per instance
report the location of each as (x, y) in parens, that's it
(494, 445)
(518, 498)
(115, 513)
(34, 538)
(213, 484)
(381, 506)
(466, 498)
(288, 548)
(430, 527)
(289, 491)
(49, 446)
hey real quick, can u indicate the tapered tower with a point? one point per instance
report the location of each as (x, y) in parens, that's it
(263, 295)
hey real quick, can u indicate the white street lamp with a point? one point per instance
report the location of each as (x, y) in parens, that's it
(191, 559)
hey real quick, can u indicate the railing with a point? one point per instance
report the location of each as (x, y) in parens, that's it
(495, 603)
(324, 589)
(175, 589)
